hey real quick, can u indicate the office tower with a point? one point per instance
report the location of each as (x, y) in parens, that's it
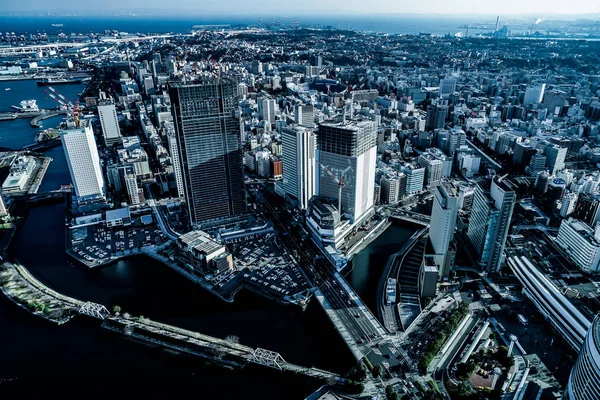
(175, 161)
(555, 158)
(257, 67)
(580, 243)
(299, 146)
(490, 222)
(415, 176)
(132, 188)
(304, 115)
(447, 87)
(450, 141)
(534, 94)
(433, 169)
(554, 100)
(523, 151)
(441, 113)
(208, 140)
(349, 151)
(430, 119)
(83, 161)
(584, 381)
(110, 122)
(505, 143)
(537, 164)
(316, 60)
(443, 222)
(390, 189)
(266, 108)
(587, 209)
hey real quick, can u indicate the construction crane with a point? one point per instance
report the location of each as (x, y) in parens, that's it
(339, 182)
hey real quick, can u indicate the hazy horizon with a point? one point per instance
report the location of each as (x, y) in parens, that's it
(439, 8)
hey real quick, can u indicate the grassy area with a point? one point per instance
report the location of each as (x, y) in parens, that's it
(434, 346)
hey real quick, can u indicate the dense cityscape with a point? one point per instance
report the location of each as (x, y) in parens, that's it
(278, 210)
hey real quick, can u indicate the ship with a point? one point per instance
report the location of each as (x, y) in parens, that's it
(57, 25)
(27, 106)
(57, 81)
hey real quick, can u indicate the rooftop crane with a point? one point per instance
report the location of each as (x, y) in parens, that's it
(340, 183)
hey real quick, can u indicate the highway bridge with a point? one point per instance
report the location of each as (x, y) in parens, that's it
(18, 50)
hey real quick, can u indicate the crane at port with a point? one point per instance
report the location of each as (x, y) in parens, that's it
(65, 103)
(340, 182)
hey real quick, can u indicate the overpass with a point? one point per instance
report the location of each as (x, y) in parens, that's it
(487, 159)
(21, 287)
(18, 50)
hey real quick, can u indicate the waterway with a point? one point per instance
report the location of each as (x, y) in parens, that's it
(79, 355)
(368, 265)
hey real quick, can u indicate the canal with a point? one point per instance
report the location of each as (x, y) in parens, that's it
(368, 265)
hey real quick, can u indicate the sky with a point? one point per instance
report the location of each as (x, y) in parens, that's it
(304, 7)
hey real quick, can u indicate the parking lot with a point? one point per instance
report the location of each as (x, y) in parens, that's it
(263, 263)
(98, 244)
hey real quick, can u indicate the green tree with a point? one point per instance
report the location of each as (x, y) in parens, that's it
(377, 371)
(117, 309)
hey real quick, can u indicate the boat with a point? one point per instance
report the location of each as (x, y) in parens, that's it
(27, 106)
(57, 25)
(7, 88)
(57, 81)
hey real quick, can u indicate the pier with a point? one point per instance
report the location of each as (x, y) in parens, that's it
(27, 292)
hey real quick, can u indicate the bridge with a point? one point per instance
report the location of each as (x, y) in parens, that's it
(21, 287)
(410, 216)
(518, 228)
(18, 50)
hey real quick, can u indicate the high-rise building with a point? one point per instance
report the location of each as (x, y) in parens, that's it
(534, 94)
(266, 108)
(299, 146)
(415, 177)
(581, 244)
(537, 164)
(82, 157)
(443, 222)
(304, 115)
(490, 222)
(436, 117)
(349, 151)
(555, 158)
(209, 144)
(390, 189)
(175, 161)
(587, 209)
(110, 122)
(584, 381)
(447, 87)
(433, 169)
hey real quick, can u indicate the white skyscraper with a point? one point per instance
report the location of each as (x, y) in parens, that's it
(555, 158)
(534, 94)
(447, 87)
(174, 152)
(110, 122)
(84, 163)
(299, 146)
(349, 151)
(304, 115)
(443, 222)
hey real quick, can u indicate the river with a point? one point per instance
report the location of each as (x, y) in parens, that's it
(50, 359)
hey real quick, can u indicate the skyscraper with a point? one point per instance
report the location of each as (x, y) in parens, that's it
(443, 222)
(84, 164)
(266, 108)
(349, 151)
(490, 222)
(304, 115)
(584, 381)
(299, 145)
(208, 141)
(447, 87)
(109, 121)
(555, 158)
(534, 94)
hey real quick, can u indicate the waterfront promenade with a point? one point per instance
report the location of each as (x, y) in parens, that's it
(26, 291)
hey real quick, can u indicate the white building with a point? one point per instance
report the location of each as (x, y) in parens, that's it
(443, 222)
(414, 179)
(390, 189)
(568, 203)
(82, 157)
(304, 115)
(299, 146)
(175, 161)
(555, 158)
(580, 243)
(110, 122)
(534, 94)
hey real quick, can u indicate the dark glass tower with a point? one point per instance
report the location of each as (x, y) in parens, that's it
(208, 137)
